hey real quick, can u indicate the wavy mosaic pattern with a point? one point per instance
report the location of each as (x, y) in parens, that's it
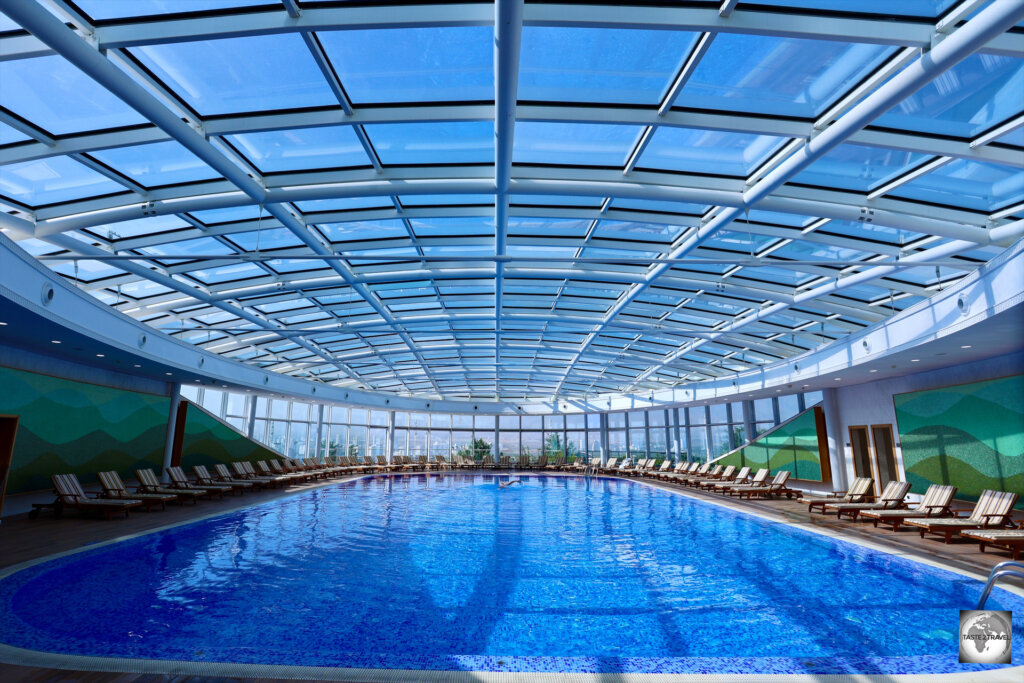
(209, 441)
(792, 446)
(68, 426)
(970, 436)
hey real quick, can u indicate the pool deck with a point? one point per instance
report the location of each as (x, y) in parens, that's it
(24, 540)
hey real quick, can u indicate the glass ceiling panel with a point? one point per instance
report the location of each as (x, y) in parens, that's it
(859, 168)
(363, 230)
(116, 9)
(276, 238)
(54, 95)
(9, 135)
(7, 24)
(303, 149)
(1015, 138)
(202, 245)
(576, 144)
(779, 76)
(869, 231)
(236, 75)
(663, 207)
(548, 227)
(968, 184)
(445, 199)
(447, 142)
(964, 101)
(241, 271)
(344, 204)
(706, 152)
(455, 227)
(554, 200)
(921, 8)
(87, 271)
(156, 164)
(628, 66)
(141, 227)
(53, 180)
(228, 215)
(643, 232)
(811, 251)
(439, 63)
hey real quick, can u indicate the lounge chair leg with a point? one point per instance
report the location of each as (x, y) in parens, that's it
(922, 533)
(981, 546)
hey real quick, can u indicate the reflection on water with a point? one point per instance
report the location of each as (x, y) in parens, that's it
(452, 571)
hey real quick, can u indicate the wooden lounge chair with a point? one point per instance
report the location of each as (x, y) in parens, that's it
(204, 479)
(726, 475)
(776, 488)
(148, 483)
(275, 467)
(759, 479)
(223, 476)
(632, 468)
(244, 470)
(935, 503)
(724, 484)
(859, 492)
(180, 481)
(666, 465)
(70, 494)
(542, 462)
(992, 511)
(557, 464)
(891, 499)
(1011, 539)
(714, 475)
(681, 468)
(115, 489)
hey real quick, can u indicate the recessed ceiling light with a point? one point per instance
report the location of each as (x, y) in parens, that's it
(965, 346)
(839, 379)
(2, 323)
(872, 370)
(99, 355)
(167, 373)
(915, 360)
(55, 341)
(137, 365)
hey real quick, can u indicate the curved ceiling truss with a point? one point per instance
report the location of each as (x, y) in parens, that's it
(511, 201)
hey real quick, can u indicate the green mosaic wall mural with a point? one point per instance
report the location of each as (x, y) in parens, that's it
(208, 441)
(793, 446)
(68, 426)
(970, 436)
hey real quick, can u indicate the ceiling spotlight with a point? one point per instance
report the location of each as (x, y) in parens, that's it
(915, 360)
(99, 355)
(2, 323)
(167, 373)
(839, 379)
(965, 346)
(137, 365)
(872, 370)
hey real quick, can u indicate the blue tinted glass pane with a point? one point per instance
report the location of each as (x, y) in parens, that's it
(976, 94)
(140, 227)
(227, 273)
(56, 96)
(7, 24)
(869, 232)
(160, 163)
(548, 227)
(1015, 138)
(782, 76)
(343, 204)
(729, 240)
(364, 230)
(445, 199)
(921, 8)
(450, 142)
(662, 207)
(711, 152)
(229, 215)
(968, 184)
(9, 135)
(115, 9)
(647, 232)
(203, 245)
(810, 251)
(441, 227)
(240, 74)
(585, 144)
(554, 200)
(306, 148)
(627, 66)
(415, 64)
(57, 179)
(87, 271)
(276, 238)
(855, 167)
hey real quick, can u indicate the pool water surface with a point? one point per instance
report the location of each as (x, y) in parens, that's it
(451, 572)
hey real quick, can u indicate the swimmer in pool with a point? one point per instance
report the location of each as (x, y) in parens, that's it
(509, 483)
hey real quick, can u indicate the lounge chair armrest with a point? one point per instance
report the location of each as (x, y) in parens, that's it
(962, 512)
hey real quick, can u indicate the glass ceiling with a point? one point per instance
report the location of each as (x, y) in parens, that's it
(351, 205)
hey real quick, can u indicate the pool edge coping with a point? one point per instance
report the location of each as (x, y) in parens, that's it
(16, 656)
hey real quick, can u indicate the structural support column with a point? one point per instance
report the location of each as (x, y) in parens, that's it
(389, 446)
(250, 427)
(604, 439)
(172, 426)
(317, 452)
(836, 439)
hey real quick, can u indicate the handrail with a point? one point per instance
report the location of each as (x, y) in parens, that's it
(998, 571)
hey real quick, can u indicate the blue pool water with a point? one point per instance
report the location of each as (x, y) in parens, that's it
(451, 572)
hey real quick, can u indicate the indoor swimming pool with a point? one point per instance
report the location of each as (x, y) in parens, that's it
(453, 572)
